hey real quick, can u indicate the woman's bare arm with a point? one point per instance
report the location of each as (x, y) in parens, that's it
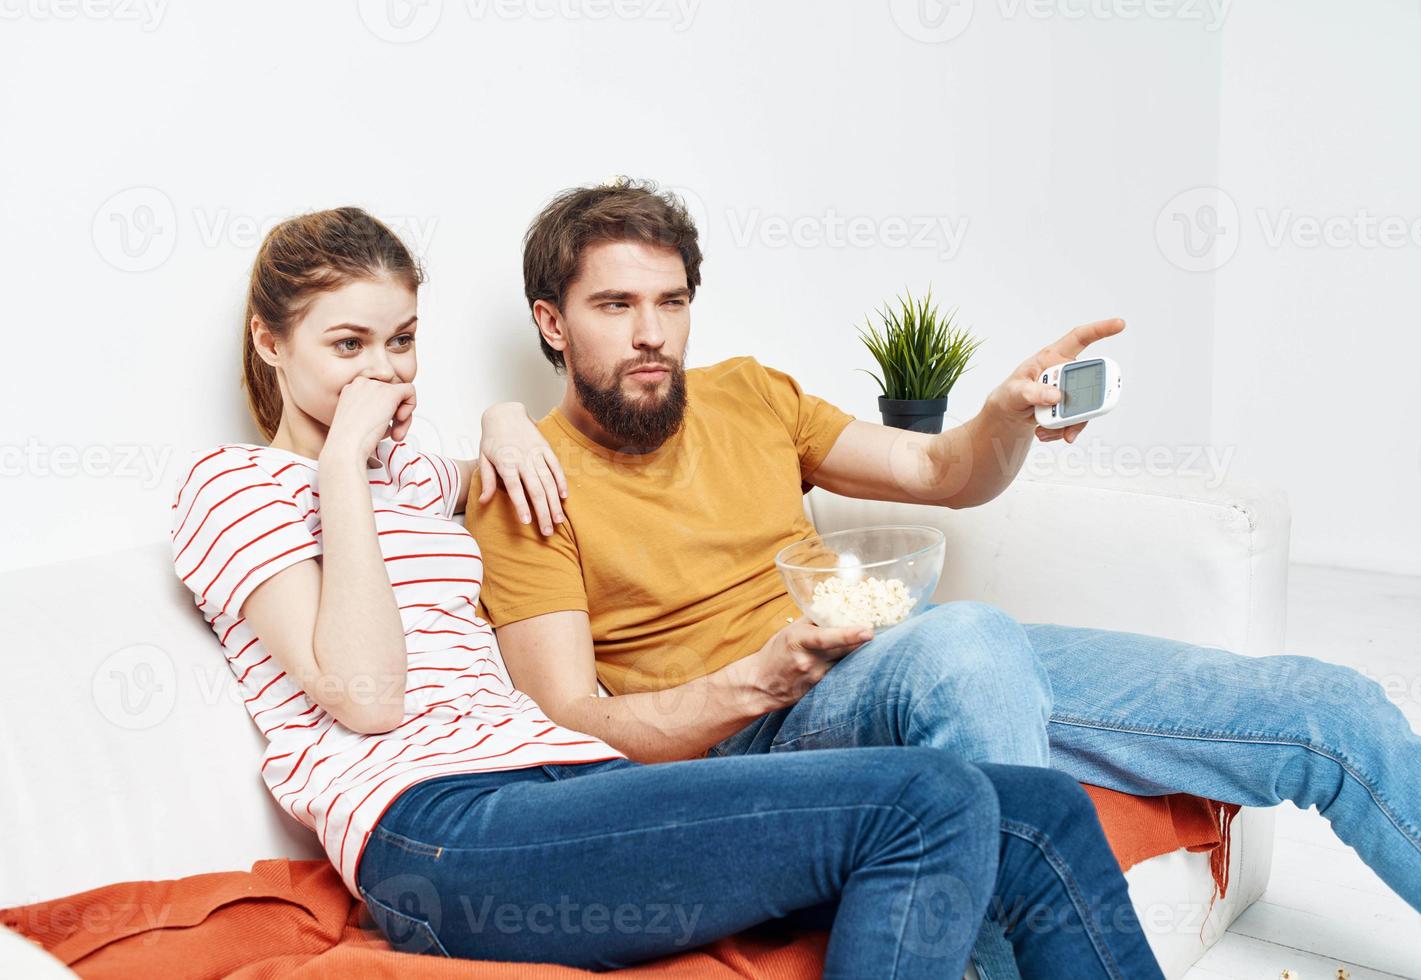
(334, 625)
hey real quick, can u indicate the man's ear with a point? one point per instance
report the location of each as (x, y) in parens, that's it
(550, 324)
(264, 341)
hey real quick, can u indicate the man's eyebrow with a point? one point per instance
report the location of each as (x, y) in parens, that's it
(367, 330)
(622, 294)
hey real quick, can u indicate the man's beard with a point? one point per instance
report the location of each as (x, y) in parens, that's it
(637, 427)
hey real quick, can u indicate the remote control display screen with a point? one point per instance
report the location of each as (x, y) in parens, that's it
(1082, 388)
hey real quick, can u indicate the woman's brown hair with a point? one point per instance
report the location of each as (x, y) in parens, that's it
(303, 256)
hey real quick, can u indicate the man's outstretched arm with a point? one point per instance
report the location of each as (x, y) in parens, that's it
(968, 464)
(550, 658)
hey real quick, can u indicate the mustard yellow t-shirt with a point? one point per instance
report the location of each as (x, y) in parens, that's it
(671, 553)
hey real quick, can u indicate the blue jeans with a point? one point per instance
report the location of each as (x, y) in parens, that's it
(1131, 712)
(900, 850)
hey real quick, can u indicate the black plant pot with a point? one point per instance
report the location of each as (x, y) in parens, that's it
(917, 414)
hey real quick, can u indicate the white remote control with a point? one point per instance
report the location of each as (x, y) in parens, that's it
(1088, 388)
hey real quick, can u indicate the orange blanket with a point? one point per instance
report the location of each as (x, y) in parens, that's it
(296, 919)
(1142, 827)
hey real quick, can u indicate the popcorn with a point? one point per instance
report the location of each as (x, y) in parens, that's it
(860, 602)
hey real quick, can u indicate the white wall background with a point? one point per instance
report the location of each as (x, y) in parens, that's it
(1025, 159)
(1317, 351)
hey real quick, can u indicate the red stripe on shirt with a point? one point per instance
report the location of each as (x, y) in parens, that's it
(198, 493)
(236, 588)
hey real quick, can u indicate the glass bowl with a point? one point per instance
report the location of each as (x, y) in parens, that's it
(869, 576)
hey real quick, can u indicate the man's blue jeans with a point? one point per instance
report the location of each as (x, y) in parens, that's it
(1131, 712)
(902, 850)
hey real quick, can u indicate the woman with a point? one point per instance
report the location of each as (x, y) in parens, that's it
(344, 596)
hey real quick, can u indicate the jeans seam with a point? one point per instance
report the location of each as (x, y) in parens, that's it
(371, 900)
(674, 825)
(1327, 752)
(917, 868)
(1043, 844)
(409, 844)
(850, 722)
(913, 889)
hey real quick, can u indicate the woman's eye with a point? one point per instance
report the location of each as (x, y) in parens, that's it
(348, 340)
(403, 340)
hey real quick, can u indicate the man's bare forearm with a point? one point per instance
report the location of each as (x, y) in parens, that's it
(679, 722)
(977, 460)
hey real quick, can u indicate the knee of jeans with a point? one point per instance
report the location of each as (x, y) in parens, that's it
(969, 645)
(940, 783)
(1343, 712)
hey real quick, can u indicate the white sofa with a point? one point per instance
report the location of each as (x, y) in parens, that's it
(128, 754)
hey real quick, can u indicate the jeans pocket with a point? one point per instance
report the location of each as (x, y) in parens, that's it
(406, 933)
(408, 844)
(568, 770)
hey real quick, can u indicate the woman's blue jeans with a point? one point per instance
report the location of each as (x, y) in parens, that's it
(902, 851)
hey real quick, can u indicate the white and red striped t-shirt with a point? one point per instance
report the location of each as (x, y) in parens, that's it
(245, 512)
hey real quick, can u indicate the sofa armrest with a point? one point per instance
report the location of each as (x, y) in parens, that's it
(19, 957)
(1183, 556)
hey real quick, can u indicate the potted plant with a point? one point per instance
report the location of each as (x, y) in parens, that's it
(921, 354)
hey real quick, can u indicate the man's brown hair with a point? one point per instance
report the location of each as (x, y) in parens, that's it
(623, 210)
